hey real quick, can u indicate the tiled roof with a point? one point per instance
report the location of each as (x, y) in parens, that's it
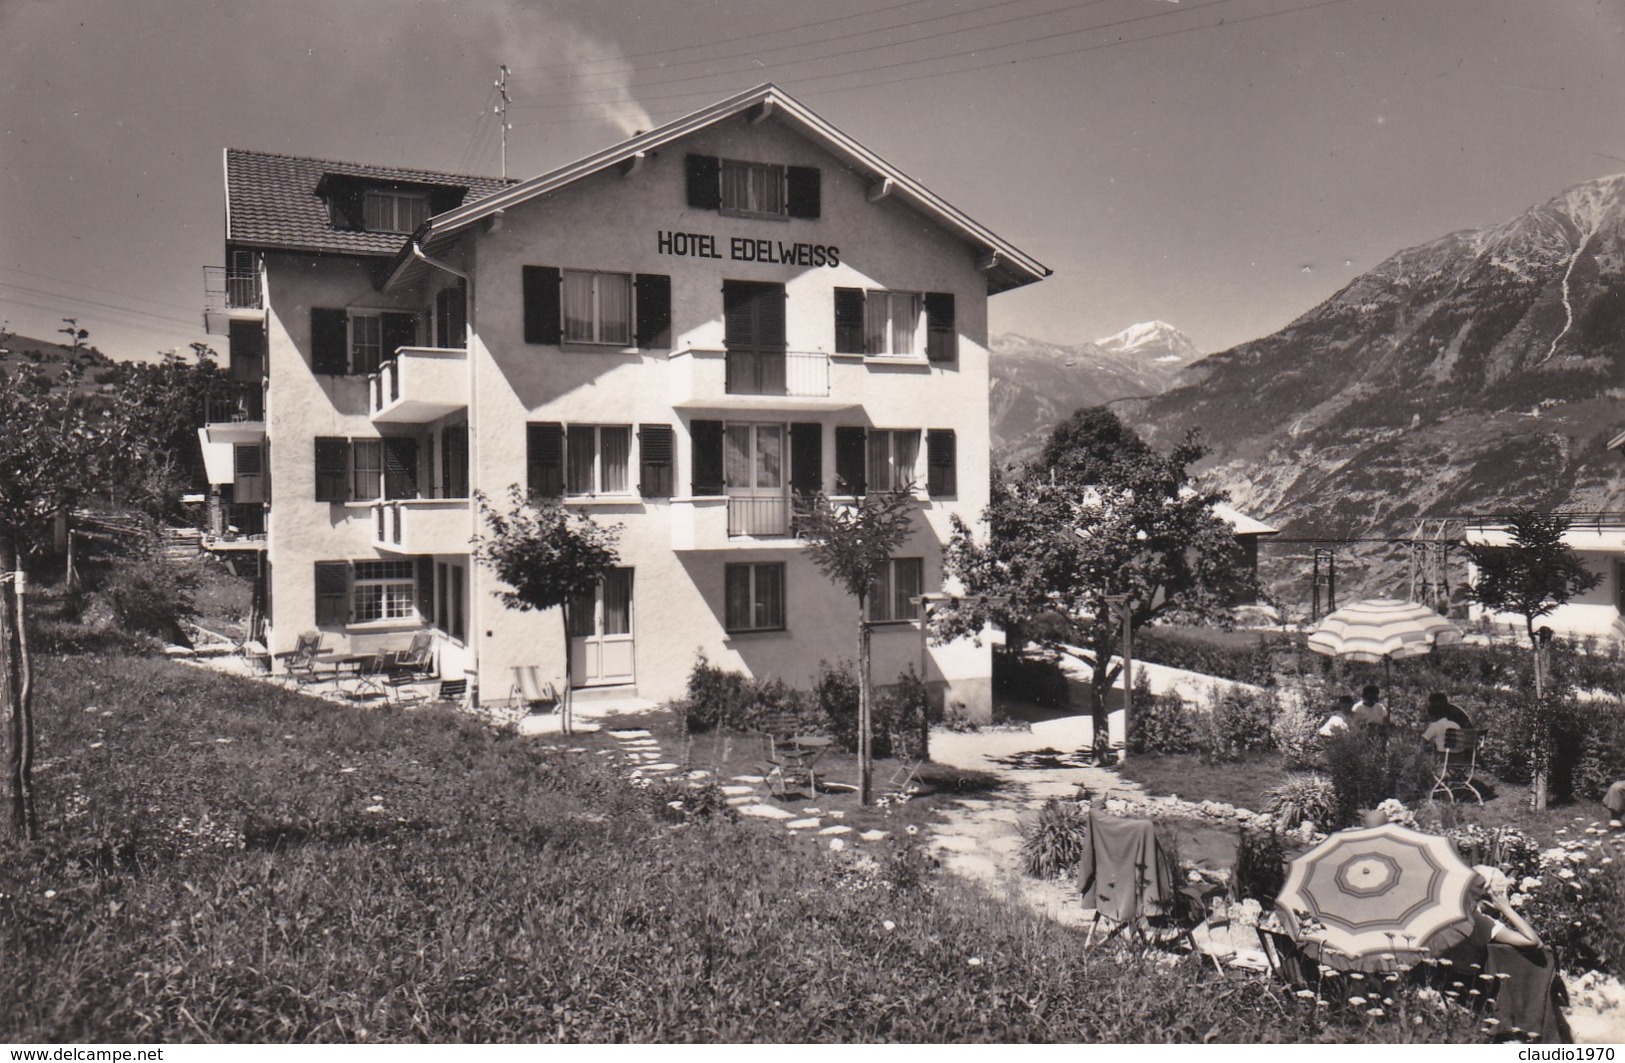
(271, 201)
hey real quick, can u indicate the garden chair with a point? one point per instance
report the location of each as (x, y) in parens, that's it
(1128, 877)
(1456, 768)
(901, 780)
(371, 678)
(419, 656)
(453, 692)
(789, 757)
(531, 690)
(299, 664)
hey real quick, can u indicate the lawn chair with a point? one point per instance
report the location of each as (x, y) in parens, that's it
(299, 664)
(901, 781)
(452, 692)
(1128, 878)
(1457, 767)
(532, 691)
(371, 678)
(419, 656)
(789, 758)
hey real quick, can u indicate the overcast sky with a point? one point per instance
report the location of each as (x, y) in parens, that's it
(1222, 165)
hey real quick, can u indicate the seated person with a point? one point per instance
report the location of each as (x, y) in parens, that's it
(1514, 930)
(1339, 719)
(1442, 718)
(1369, 711)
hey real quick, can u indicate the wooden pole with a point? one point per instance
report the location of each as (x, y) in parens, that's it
(25, 707)
(865, 713)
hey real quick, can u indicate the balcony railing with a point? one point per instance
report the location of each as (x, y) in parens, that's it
(422, 525)
(230, 294)
(794, 374)
(760, 518)
(420, 384)
(236, 408)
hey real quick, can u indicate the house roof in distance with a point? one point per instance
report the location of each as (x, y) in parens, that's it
(273, 202)
(1006, 265)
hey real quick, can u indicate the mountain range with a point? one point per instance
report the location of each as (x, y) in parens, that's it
(1036, 384)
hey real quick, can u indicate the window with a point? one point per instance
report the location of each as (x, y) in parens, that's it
(892, 457)
(656, 457)
(599, 460)
(891, 323)
(544, 460)
(394, 212)
(342, 341)
(753, 456)
(383, 590)
(942, 451)
(755, 597)
(597, 307)
(888, 601)
(367, 469)
(752, 188)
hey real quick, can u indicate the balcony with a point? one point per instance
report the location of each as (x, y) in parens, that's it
(732, 523)
(229, 295)
(742, 380)
(419, 384)
(239, 406)
(422, 525)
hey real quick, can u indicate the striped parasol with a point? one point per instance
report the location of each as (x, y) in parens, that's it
(1379, 898)
(1381, 629)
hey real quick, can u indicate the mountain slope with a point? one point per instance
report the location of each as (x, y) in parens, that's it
(1036, 385)
(1473, 374)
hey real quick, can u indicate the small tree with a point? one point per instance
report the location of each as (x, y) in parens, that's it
(1531, 576)
(1100, 515)
(851, 544)
(549, 556)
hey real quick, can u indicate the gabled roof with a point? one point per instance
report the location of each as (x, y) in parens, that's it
(272, 201)
(1009, 266)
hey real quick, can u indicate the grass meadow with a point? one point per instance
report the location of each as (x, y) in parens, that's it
(224, 861)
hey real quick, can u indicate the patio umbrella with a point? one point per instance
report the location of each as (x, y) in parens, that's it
(1381, 629)
(1378, 898)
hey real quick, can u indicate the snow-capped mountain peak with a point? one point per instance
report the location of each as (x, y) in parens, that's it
(1153, 340)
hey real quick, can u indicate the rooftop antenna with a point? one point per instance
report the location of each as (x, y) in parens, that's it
(501, 109)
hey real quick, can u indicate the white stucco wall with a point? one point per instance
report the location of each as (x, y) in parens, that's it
(1601, 548)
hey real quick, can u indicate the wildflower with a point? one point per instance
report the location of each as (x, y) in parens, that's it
(836, 845)
(888, 924)
(1565, 873)
(1375, 1013)
(97, 745)
(1388, 1001)
(49, 894)
(1319, 1003)
(1416, 1020)
(373, 808)
(1529, 882)
(1358, 1002)
(911, 829)
(1306, 994)
(975, 961)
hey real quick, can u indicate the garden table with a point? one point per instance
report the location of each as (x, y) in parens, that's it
(799, 754)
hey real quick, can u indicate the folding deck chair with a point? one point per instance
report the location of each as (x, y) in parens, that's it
(1129, 879)
(531, 690)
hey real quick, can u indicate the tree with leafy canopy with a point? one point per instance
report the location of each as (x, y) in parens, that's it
(851, 544)
(1098, 514)
(550, 556)
(1531, 576)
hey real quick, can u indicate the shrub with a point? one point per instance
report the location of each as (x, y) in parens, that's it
(1575, 898)
(1295, 731)
(1036, 680)
(718, 698)
(1300, 797)
(905, 713)
(1260, 866)
(1229, 655)
(148, 591)
(1056, 841)
(1162, 723)
(835, 691)
(1366, 771)
(1239, 723)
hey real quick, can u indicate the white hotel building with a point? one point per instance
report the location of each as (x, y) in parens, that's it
(674, 335)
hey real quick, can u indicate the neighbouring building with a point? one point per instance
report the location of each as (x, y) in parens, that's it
(1599, 540)
(674, 335)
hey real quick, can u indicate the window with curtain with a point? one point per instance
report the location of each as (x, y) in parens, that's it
(753, 456)
(893, 455)
(366, 343)
(888, 601)
(892, 323)
(599, 459)
(367, 473)
(394, 212)
(754, 597)
(752, 187)
(597, 307)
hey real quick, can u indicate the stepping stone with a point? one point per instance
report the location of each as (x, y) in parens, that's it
(699, 773)
(735, 791)
(837, 829)
(810, 811)
(875, 835)
(661, 767)
(735, 802)
(956, 843)
(750, 778)
(803, 824)
(766, 812)
(624, 735)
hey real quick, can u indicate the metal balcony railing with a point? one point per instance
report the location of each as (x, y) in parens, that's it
(763, 518)
(238, 407)
(794, 374)
(225, 288)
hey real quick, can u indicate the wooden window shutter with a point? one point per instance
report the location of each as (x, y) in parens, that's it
(803, 200)
(544, 460)
(454, 461)
(704, 181)
(705, 438)
(332, 593)
(332, 470)
(753, 316)
(849, 321)
(398, 330)
(851, 461)
(806, 458)
(400, 467)
(655, 460)
(653, 310)
(941, 334)
(329, 341)
(941, 458)
(541, 296)
(426, 589)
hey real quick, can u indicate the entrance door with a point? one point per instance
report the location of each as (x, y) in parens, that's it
(601, 632)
